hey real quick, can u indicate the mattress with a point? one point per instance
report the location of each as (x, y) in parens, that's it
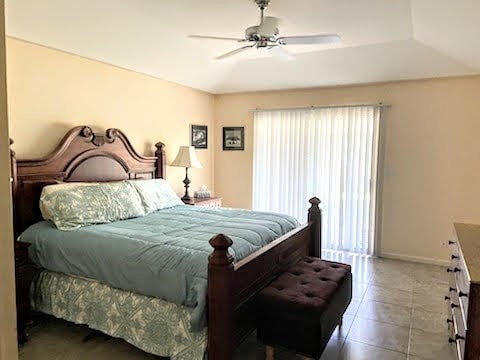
(164, 254)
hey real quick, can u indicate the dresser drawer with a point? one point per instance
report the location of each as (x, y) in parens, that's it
(459, 278)
(458, 333)
(463, 284)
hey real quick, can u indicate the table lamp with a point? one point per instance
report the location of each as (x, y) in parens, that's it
(186, 158)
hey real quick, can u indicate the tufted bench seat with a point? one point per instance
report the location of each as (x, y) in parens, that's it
(302, 307)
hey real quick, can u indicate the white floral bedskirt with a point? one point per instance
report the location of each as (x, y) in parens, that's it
(153, 325)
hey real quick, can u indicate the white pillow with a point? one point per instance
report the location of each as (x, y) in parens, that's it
(156, 194)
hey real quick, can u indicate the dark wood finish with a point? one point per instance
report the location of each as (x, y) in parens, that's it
(236, 290)
(464, 303)
(472, 340)
(220, 299)
(85, 156)
(23, 278)
(315, 218)
(206, 202)
(161, 165)
(82, 155)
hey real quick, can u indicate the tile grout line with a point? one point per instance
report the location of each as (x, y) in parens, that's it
(410, 330)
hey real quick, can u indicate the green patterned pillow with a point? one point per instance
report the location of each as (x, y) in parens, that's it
(71, 207)
(156, 194)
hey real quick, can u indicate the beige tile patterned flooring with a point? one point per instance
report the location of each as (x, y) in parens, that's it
(397, 312)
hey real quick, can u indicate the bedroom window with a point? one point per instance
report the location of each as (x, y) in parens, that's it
(327, 152)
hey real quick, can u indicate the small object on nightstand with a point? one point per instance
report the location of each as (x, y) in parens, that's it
(23, 278)
(202, 193)
(210, 202)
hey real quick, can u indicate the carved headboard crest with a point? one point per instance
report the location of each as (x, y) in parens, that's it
(99, 139)
(82, 155)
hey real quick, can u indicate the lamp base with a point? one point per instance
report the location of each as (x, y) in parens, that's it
(186, 199)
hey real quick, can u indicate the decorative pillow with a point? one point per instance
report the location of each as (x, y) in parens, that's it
(156, 194)
(71, 206)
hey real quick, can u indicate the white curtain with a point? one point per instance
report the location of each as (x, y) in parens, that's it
(330, 153)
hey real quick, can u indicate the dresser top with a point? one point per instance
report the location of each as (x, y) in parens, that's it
(469, 240)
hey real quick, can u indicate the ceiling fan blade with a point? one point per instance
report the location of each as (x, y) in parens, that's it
(281, 53)
(234, 52)
(309, 39)
(215, 38)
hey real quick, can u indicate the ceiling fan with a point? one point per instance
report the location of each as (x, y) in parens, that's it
(266, 36)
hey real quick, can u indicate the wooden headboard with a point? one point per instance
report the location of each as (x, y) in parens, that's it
(82, 155)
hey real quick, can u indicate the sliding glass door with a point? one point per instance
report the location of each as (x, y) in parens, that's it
(330, 153)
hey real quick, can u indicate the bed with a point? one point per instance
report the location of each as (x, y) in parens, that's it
(231, 281)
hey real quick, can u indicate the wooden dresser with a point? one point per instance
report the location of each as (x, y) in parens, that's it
(23, 278)
(464, 291)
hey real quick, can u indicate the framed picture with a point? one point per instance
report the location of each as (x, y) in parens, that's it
(199, 136)
(234, 138)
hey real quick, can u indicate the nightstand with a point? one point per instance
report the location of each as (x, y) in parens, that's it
(207, 202)
(23, 278)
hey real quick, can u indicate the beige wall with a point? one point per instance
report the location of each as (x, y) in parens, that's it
(8, 332)
(51, 91)
(431, 154)
(432, 151)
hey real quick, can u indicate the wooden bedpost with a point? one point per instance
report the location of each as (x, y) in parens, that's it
(315, 221)
(13, 180)
(220, 299)
(161, 161)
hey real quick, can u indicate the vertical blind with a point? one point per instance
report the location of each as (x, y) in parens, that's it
(330, 153)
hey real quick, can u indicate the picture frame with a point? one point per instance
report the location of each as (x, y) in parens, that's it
(234, 138)
(199, 136)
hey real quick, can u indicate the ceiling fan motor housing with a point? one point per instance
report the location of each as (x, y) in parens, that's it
(254, 33)
(262, 3)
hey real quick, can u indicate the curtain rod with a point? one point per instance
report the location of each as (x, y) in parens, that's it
(378, 105)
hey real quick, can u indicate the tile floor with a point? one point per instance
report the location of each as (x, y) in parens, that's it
(397, 312)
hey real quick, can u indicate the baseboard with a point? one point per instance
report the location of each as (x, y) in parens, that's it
(418, 259)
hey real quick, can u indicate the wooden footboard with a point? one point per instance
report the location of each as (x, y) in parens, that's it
(232, 286)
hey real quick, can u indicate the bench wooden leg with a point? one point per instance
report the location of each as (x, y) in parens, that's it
(269, 353)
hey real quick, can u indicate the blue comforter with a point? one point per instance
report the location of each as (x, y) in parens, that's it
(164, 254)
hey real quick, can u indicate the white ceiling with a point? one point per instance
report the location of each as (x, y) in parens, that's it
(381, 40)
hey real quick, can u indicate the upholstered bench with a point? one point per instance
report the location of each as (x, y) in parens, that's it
(301, 308)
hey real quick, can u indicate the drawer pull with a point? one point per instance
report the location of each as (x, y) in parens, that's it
(449, 321)
(453, 306)
(452, 289)
(454, 257)
(447, 298)
(457, 337)
(454, 270)
(462, 294)
(450, 242)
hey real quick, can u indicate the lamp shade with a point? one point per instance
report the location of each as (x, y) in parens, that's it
(186, 158)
